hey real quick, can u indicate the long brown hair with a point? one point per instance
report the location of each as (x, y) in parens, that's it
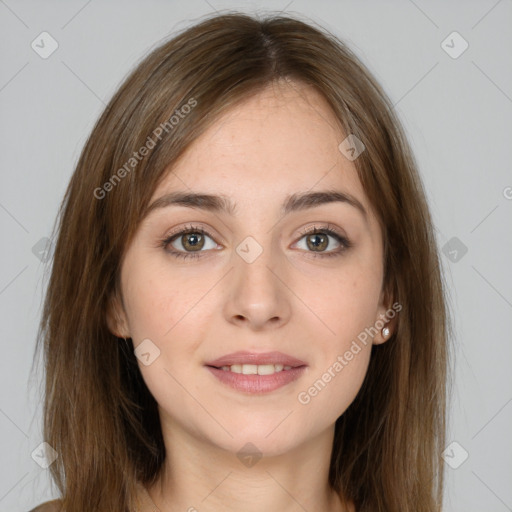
(98, 413)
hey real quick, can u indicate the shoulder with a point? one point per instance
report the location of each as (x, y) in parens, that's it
(49, 506)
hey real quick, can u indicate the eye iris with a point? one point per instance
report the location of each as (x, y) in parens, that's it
(193, 241)
(321, 241)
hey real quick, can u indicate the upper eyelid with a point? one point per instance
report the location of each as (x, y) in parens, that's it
(190, 229)
(324, 227)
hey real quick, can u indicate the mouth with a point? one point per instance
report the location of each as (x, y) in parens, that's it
(251, 372)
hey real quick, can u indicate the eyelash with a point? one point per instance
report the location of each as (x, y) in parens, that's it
(346, 244)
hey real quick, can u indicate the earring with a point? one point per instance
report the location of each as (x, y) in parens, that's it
(385, 332)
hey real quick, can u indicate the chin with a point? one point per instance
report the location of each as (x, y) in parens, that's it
(264, 439)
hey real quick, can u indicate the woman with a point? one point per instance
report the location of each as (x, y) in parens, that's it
(246, 308)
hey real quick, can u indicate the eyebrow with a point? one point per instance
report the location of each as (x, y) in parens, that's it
(221, 203)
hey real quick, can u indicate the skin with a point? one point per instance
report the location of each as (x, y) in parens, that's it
(282, 141)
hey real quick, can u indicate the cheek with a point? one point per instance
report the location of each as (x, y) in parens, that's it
(168, 310)
(159, 303)
(347, 307)
(348, 304)
(330, 392)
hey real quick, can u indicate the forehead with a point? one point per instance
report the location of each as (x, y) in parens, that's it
(280, 141)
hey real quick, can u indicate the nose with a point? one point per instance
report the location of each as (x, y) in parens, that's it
(257, 296)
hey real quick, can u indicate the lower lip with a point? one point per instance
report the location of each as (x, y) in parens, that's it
(257, 383)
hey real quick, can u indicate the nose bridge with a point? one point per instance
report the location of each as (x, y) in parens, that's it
(257, 295)
(253, 261)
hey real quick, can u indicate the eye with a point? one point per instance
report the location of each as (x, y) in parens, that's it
(187, 242)
(317, 241)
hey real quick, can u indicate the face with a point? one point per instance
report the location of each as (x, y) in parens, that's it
(304, 281)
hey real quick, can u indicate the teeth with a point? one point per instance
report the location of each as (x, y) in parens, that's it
(256, 369)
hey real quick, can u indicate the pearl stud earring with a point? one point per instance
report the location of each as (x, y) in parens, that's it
(385, 332)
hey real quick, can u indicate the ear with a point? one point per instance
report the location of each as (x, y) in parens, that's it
(116, 317)
(386, 318)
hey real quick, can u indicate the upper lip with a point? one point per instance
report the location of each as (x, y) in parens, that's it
(245, 357)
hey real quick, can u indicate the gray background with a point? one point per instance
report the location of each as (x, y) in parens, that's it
(456, 112)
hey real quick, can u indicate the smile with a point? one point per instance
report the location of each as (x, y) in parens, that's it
(256, 369)
(256, 379)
